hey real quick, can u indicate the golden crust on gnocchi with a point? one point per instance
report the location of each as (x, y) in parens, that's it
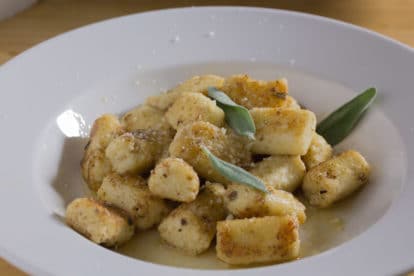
(192, 226)
(94, 164)
(144, 117)
(136, 152)
(258, 240)
(187, 145)
(103, 131)
(336, 178)
(245, 202)
(192, 107)
(197, 84)
(101, 224)
(256, 93)
(283, 172)
(131, 194)
(318, 152)
(174, 179)
(94, 167)
(282, 131)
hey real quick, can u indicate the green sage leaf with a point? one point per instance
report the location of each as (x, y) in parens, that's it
(237, 116)
(341, 122)
(234, 173)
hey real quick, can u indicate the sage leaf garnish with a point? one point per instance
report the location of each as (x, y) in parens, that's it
(237, 116)
(340, 123)
(234, 173)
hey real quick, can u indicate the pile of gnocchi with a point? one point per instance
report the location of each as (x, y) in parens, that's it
(147, 169)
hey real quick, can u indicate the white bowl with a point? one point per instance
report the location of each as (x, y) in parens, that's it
(54, 91)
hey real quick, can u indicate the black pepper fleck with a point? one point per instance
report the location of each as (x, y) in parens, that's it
(232, 195)
(330, 174)
(362, 177)
(87, 145)
(205, 218)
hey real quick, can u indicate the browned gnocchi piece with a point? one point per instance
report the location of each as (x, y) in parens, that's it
(245, 202)
(336, 178)
(174, 179)
(197, 84)
(318, 152)
(252, 93)
(283, 172)
(144, 117)
(282, 131)
(101, 224)
(94, 164)
(135, 152)
(192, 107)
(258, 240)
(103, 131)
(132, 195)
(192, 226)
(187, 145)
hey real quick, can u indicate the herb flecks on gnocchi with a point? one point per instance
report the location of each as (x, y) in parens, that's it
(180, 164)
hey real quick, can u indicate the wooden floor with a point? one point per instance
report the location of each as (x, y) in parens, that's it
(394, 18)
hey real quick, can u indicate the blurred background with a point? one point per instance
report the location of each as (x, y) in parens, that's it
(25, 23)
(47, 18)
